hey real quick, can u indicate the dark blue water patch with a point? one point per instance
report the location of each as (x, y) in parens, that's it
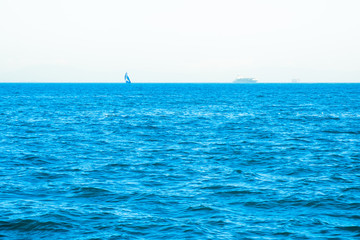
(179, 161)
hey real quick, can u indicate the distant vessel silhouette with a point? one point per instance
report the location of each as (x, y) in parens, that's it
(127, 79)
(245, 80)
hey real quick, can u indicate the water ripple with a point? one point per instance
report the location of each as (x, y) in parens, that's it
(179, 161)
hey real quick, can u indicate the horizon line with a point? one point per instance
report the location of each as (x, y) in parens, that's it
(190, 83)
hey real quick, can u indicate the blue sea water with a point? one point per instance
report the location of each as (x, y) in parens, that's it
(179, 161)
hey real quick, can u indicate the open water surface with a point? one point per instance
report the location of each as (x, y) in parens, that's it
(179, 161)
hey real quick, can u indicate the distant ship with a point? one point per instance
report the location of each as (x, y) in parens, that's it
(245, 80)
(127, 79)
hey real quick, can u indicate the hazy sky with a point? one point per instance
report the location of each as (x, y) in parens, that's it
(179, 40)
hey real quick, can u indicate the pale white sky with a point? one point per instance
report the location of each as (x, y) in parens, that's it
(179, 40)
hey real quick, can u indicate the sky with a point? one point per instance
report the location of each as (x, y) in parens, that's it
(179, 40)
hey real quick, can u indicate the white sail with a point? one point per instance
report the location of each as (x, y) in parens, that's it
(127, 79)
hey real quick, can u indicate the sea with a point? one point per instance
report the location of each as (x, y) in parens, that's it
(179, 161)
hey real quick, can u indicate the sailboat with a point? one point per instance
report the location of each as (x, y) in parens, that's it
(127, 79)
